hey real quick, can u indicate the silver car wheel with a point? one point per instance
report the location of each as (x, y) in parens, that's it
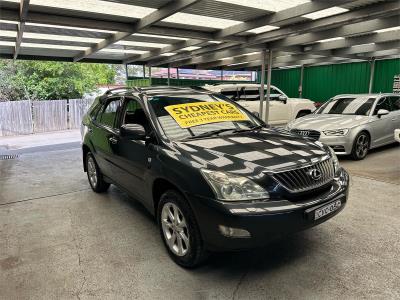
(92, 172)
(175, 229)
(362, 145)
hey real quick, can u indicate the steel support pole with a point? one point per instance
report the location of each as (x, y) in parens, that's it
(222, 74)
(169, 75)
(177, 73)
(263, 54)
(144, 71)
(301, 81)
(150, 75)
(371, 77)
(126, 72)
(268, 86)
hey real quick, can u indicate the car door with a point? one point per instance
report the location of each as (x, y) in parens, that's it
(395, 113)
(278, 110)
(381, 127)
(102, 135)
(133, 157)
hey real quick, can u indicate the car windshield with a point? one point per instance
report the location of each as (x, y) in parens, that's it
(360, 106)
(201, 115)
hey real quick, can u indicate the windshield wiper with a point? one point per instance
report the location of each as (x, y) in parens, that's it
(211, 133)
(257, 127)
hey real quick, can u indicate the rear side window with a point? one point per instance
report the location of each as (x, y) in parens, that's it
(231, 94)
(108, 115)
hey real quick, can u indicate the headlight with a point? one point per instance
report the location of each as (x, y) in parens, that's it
(335, 160)
(336, 132)
(229, 187)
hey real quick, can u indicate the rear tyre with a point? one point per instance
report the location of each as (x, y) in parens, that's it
(179, 230)
(94, 175)
(360, 146)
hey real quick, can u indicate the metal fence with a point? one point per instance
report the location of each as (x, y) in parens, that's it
(27, 117)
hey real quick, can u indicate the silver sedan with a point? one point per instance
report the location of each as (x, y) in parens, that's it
(352, 124)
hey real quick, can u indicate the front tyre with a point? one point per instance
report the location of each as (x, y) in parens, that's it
(360, 146)
(179, 230)
(94, 175)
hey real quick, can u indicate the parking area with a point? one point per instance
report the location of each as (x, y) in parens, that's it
(61, 240)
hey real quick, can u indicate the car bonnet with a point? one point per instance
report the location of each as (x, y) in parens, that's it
(250, 153)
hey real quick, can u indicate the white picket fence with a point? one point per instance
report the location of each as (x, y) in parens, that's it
(27, 117)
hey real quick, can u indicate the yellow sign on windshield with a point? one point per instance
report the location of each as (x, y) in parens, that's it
(199, 113)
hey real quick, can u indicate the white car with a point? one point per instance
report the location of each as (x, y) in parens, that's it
(282, 109)
(397, 135)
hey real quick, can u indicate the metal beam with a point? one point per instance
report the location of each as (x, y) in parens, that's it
(23, 12)
(369, 12)
(274, 18)
(367, 48)
(165, 11)
(101, 24)
(262, 82)
(353, 41)
(268, 86)
(371, 77)
(347, 30)
(208, 57)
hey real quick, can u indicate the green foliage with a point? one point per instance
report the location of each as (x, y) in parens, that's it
(51, 80)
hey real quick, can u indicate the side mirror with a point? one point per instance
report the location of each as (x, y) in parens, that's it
(382, 112)
(256, 113)
(133, 131)
(282, 98)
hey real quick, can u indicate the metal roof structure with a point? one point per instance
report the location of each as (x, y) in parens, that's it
(203, 34)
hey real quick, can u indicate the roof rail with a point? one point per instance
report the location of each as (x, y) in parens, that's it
(117, 89)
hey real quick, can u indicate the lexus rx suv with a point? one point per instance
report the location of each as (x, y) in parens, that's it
(215, 176)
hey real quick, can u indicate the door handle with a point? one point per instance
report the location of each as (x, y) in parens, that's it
(113, 140)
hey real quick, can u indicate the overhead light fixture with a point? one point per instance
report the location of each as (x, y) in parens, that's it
(52, 46)
(141, 44)
(330, 40)
(387, 29)
(168, 54)
(235, 64)
(326, 13)
(262, 29)
(190, 48)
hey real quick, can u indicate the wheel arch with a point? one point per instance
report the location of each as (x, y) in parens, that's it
(161, 185)
(85, 151)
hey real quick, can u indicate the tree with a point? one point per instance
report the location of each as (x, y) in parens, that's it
(42, 80)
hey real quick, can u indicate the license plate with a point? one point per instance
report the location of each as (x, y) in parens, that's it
(327, 209)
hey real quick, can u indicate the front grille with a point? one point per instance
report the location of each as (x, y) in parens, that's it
(300, 180)
(314, 134)
(9, 156)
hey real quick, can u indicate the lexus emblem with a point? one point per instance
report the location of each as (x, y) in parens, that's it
(315, 174)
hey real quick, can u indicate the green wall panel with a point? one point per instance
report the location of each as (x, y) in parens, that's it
(323, 82)
(287, 80)
(384, 73)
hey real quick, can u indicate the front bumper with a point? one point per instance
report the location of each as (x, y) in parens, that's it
(264, 220)
(342, 145)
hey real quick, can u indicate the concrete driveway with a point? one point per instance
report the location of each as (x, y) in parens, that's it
(59, 240)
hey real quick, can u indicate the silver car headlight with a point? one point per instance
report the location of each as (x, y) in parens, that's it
(229, 187)
(335, 160)
(336, 132)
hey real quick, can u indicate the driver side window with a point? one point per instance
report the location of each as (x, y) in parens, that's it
(383, 103)
(134, 114)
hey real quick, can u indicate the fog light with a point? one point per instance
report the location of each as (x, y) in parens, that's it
(234, 232)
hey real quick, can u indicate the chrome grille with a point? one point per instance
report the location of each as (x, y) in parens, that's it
(314, 134)
(300, 180)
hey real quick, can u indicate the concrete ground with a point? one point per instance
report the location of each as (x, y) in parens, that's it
(59, 240)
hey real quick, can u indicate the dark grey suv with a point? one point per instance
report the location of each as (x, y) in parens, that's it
(215, 176)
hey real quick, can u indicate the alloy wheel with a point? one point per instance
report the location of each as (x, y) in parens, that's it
(92, 172)
(362, 144)
(175, 229)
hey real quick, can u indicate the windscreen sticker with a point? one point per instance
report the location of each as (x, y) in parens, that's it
(199, 113)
